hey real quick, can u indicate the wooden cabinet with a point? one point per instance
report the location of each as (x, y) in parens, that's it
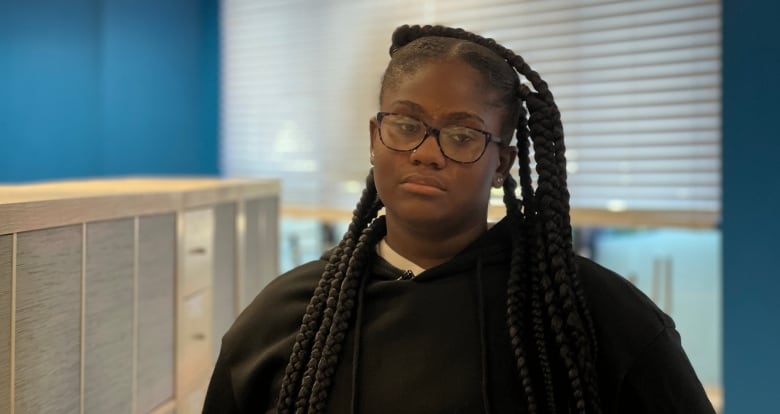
(114, 294)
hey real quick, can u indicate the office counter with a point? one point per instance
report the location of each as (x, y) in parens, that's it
(114, 294)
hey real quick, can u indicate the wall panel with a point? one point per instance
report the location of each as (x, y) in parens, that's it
(224, 286)
(261, 263)
(156, 270)
(108, 345)
(48, 321)
(268, 232)
(6, 250)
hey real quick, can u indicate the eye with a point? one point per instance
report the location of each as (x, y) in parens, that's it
(405, 125)
(462, 138)
(461, 135)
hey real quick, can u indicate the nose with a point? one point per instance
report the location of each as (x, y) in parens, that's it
(429, 152)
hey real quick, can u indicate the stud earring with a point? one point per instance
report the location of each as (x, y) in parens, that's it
(498, 182)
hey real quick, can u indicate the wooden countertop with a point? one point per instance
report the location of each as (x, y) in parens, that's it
(26, 207)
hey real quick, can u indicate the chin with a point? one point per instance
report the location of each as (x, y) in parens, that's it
(427, 217)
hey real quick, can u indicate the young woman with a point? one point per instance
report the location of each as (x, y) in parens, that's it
(427, 308)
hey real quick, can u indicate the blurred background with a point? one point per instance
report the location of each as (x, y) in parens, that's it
(666, 106)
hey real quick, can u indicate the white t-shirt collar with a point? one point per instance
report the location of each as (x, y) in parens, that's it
(386, 252)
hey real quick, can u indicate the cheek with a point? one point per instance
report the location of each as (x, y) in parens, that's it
(484, 170)
(476, 182)
(384, 168)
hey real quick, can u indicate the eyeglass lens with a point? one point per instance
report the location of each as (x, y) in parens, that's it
(404, 133)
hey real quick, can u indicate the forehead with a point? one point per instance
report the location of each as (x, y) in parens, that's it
(441, 87)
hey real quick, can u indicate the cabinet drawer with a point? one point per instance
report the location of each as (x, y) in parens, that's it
(193, 349)
(191, 402)
(196, 259)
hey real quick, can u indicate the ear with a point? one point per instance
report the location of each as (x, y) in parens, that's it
(373, 129)
(506, 158)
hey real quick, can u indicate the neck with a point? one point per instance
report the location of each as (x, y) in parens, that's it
(431, 245)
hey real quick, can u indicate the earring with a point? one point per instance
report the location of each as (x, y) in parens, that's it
(498, 182)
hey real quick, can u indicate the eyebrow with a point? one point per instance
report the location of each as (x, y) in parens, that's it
(452, 116)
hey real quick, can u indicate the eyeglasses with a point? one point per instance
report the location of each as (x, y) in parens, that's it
(458, 143)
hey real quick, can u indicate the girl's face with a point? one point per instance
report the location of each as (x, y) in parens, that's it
(423, 188)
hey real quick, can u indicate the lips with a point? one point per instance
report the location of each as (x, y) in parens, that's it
(426, 180)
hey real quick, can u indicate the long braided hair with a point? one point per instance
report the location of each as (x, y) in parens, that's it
(549, 324)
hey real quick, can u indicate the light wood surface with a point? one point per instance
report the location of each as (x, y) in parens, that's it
(196, 249)
(194, 339)
(37, 206)
(194, 303)
(579, 216)
(169, 407)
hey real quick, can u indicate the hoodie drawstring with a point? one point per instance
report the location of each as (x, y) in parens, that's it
(482, 337)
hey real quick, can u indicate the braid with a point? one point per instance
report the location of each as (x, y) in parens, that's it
(516, 296)
(557, 308)
(302, 346)
(346, 302)
(326, 324)
(308, 342)
(538, 323)
(553, 197)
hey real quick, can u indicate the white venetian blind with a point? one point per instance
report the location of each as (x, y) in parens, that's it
(637, 82)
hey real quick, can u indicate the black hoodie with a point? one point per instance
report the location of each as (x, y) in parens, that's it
(438, 343)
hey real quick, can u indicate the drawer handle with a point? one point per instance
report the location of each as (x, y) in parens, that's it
(198, 250)
(199, 336)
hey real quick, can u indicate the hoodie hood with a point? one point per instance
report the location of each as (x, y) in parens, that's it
(492, 247)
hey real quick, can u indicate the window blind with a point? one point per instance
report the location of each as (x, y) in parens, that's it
(638, 85)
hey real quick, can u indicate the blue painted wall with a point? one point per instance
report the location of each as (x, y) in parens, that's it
(108, 87)
(751, 205)
(49, 82)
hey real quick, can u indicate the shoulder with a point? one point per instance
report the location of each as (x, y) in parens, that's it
(263, 334)
(613, 298)
(627, 322)
(257, 346)
(642, 365)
